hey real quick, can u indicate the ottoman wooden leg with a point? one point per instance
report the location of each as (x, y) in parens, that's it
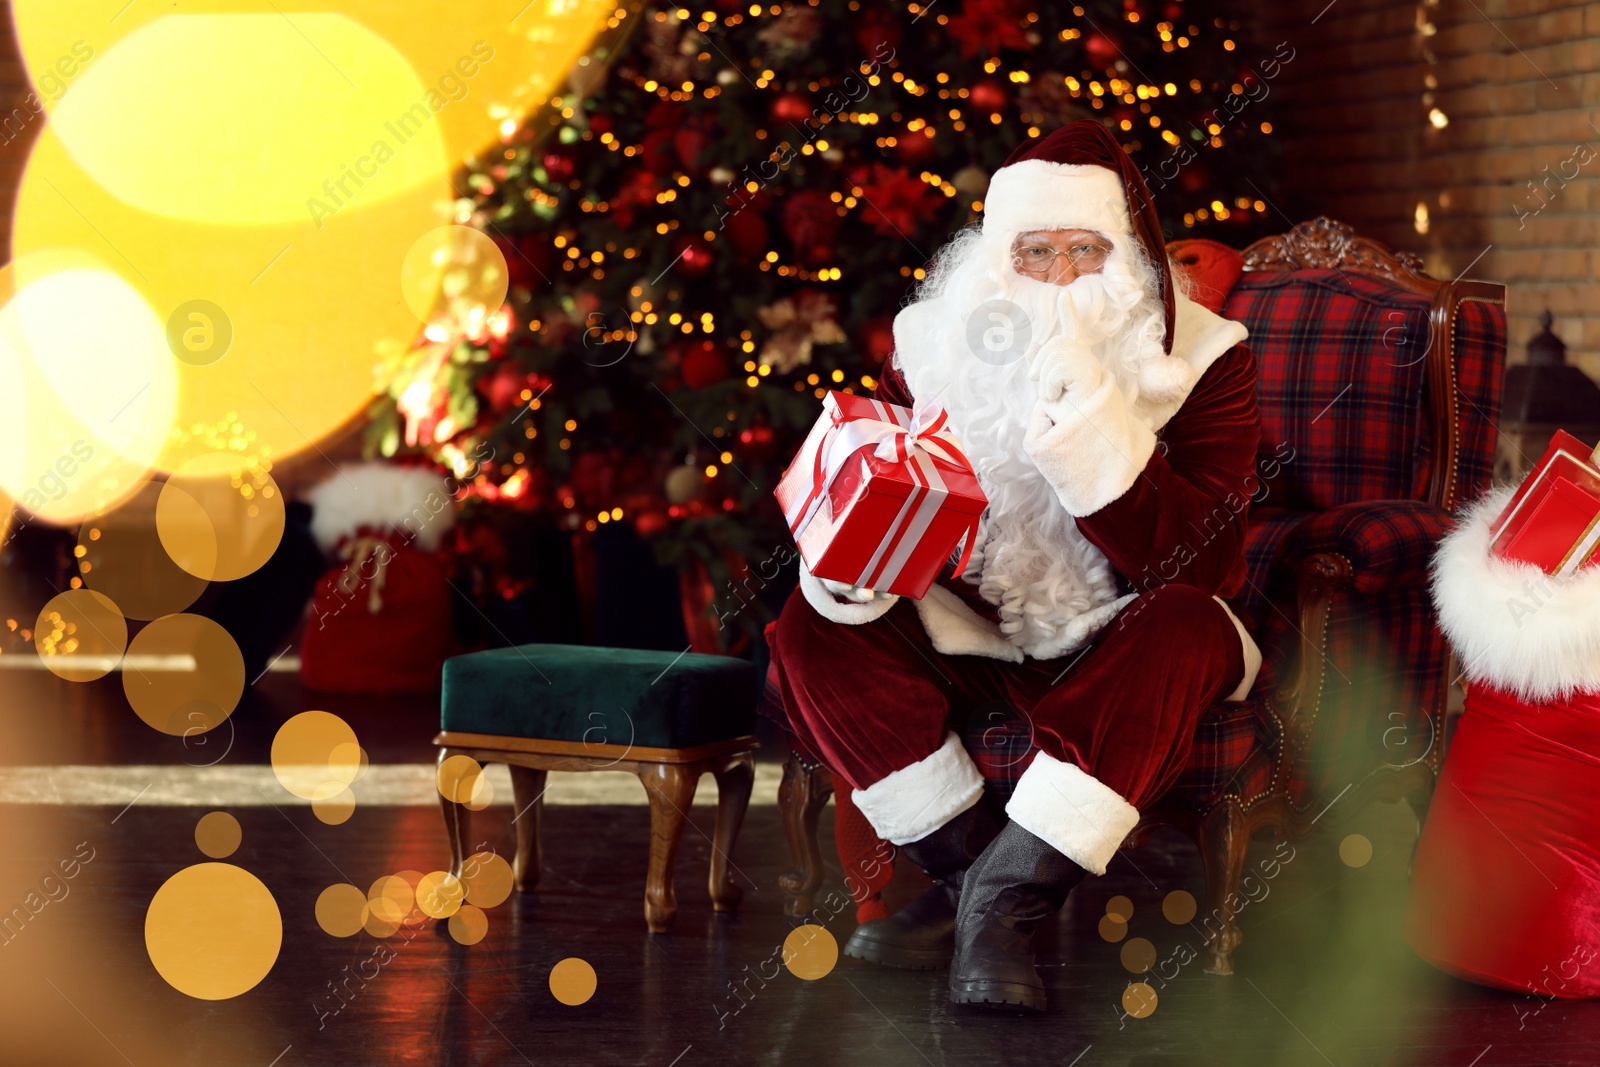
(671, 790)
(527, 791)
(456, 828)
(734, 781)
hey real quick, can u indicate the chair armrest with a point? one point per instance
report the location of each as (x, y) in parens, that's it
(1385, 544)
(1367, 547)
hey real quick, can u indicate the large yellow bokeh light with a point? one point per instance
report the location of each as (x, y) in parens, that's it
(493, 61)
(309, 308)
(87, 385)
(256, 172)
(278, 124)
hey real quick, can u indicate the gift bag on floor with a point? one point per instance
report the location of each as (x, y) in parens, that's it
(1505, 887)
(379, 621)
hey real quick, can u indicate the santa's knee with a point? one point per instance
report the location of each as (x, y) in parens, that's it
(804, 635)
(1173, 611)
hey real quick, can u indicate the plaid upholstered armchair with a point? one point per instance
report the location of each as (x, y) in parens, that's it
(1378, 389)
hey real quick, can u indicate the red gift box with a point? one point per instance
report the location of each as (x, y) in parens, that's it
(880, 496)
(1553, 519)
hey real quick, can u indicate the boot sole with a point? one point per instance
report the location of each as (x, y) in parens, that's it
(902, 959)
(997, 995)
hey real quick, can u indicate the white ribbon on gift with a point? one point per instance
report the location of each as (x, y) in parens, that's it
(894, 440)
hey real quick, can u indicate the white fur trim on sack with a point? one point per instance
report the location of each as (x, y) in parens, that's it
(913, 802)
(1072, 811)
(1035, 194)
(1527, 633)
(412, 501)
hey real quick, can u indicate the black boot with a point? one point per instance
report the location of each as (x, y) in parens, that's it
(921, 936)
(1018, 881)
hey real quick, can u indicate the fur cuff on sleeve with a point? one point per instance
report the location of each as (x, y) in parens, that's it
(1527, 633)
(1090, 447)
(830, 607)
(1077, 814)
(912, 802)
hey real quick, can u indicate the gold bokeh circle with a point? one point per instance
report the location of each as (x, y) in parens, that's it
(191, 677)
(213, 931)
(573, 981)
(220, 516)
(80, 635)
(217, 834)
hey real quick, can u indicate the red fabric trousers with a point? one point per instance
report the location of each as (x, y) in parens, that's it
(872, 698)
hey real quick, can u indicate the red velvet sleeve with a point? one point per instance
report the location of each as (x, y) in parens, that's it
(1183, 519)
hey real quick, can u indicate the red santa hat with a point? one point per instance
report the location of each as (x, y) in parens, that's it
(1078, 177)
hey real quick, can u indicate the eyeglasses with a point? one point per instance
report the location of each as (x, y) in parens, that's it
(1036, 260)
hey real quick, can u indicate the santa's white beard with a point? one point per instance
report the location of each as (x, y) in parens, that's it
(1030, 562)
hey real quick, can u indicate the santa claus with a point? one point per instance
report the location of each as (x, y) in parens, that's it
(1112, 424)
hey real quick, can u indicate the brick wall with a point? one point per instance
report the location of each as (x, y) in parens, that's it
(1518, 81)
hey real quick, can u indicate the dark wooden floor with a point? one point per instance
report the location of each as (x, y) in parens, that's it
(1323, 975)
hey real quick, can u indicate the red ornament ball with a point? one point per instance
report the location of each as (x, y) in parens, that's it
(811, 222)
(791, 107)
(1194, 178)
(560, 166)
(650, 522)
(1101, 50)
(748, 232)
(916, 147)
(757, 442)
(705, 363)
(692, 255)
(877, 337)
(989, 95)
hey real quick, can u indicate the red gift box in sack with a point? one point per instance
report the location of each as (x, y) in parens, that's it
(379, 621)
(879, 496)
(1506, 881)
(1553, 519)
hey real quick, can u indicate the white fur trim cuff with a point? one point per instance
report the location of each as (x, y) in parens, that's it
(836, 610)
(1527, 633)
(1035, 194)
(1252, 654)
(1075, 813)
(913, 802)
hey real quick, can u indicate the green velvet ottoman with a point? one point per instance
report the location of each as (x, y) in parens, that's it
(666, 717)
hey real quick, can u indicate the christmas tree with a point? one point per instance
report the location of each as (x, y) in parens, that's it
(716, 223)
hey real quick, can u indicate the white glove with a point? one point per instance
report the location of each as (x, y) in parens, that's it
(1064, 363)
(1083, 434)
(854, 594)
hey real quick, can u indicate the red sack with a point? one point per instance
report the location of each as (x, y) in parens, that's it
(1505, 887)
(380, 619)
(379, 622)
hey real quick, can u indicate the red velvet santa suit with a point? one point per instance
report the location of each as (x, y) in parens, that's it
(1126, 640)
